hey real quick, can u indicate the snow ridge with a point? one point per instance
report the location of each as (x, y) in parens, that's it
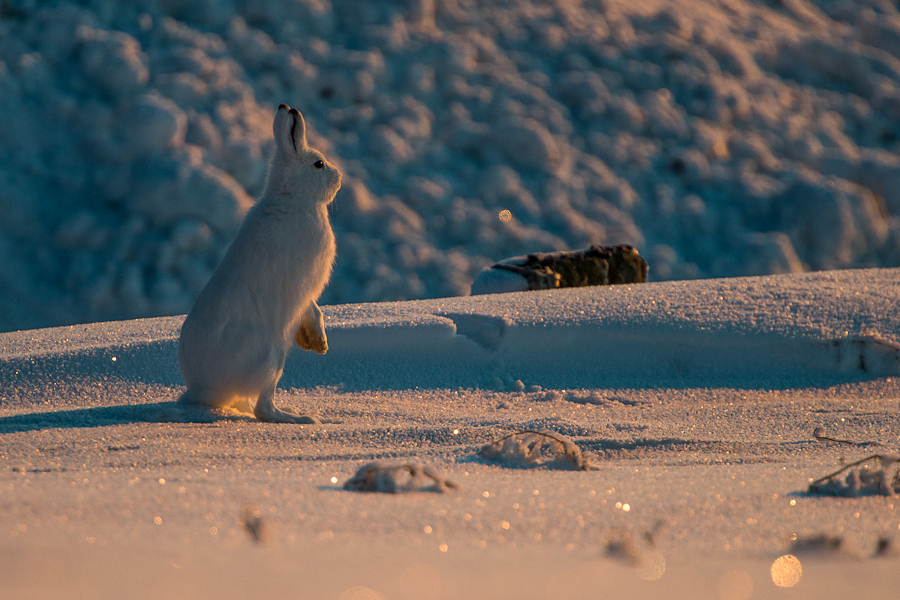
(812, 329)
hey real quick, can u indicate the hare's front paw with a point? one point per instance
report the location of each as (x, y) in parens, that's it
(310, 339)
(311, 332)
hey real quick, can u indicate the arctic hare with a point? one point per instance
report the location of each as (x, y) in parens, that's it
(263, 294)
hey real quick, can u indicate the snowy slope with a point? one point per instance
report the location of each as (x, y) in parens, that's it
(764, 331)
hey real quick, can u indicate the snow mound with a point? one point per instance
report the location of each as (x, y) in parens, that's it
(815, 329)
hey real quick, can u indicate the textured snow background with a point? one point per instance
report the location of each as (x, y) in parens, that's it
(699, 400)
(720, 138)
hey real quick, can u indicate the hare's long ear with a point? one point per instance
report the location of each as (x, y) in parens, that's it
(290, 130)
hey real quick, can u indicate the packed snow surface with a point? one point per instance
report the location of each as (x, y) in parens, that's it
(706, 409)
(720, 138)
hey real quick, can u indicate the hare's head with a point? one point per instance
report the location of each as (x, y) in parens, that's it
(298, 170)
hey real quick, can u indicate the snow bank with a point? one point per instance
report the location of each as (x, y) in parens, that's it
(776, 331)
(720, 139)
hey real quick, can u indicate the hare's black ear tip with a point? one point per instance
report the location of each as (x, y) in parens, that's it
(283, 106)
(294, 111)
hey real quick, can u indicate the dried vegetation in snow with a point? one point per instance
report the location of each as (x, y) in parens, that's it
(537, 448)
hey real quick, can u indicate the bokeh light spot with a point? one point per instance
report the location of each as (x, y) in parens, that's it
(651, 566)
(786, 571)
(360, 593)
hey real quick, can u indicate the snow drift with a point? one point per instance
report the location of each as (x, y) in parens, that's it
(809, 329)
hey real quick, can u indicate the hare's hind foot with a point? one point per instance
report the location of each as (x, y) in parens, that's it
(265, 410)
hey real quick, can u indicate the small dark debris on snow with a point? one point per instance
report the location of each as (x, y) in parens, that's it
(821, 434)
(817, 544)
(253, 523)
(886, 547)
(623, 546)
(392, 479)
(639, 552)
(587, 397)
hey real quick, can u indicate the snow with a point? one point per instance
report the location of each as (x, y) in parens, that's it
(719, 138)
(702, 404)
(742, 143)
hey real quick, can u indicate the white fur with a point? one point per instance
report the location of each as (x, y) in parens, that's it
(262, 297)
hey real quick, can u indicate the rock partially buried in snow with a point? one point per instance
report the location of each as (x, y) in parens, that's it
(597, 265)
(392, 479)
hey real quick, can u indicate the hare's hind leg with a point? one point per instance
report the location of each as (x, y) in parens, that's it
(265, 410)
(310, 335)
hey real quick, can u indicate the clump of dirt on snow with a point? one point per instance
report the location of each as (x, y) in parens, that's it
(392, 479)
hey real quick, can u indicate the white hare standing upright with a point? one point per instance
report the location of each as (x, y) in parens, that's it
(263, 294)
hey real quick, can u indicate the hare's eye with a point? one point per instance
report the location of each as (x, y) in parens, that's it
(318, 164)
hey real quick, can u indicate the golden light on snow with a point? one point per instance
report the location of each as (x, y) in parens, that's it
(360, 593)
(505, 216)
(735, 585)
(652, 565)
(334, 480)
(421, 582)
(786, 571)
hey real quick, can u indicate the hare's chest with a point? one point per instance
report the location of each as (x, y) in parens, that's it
(313, 249)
